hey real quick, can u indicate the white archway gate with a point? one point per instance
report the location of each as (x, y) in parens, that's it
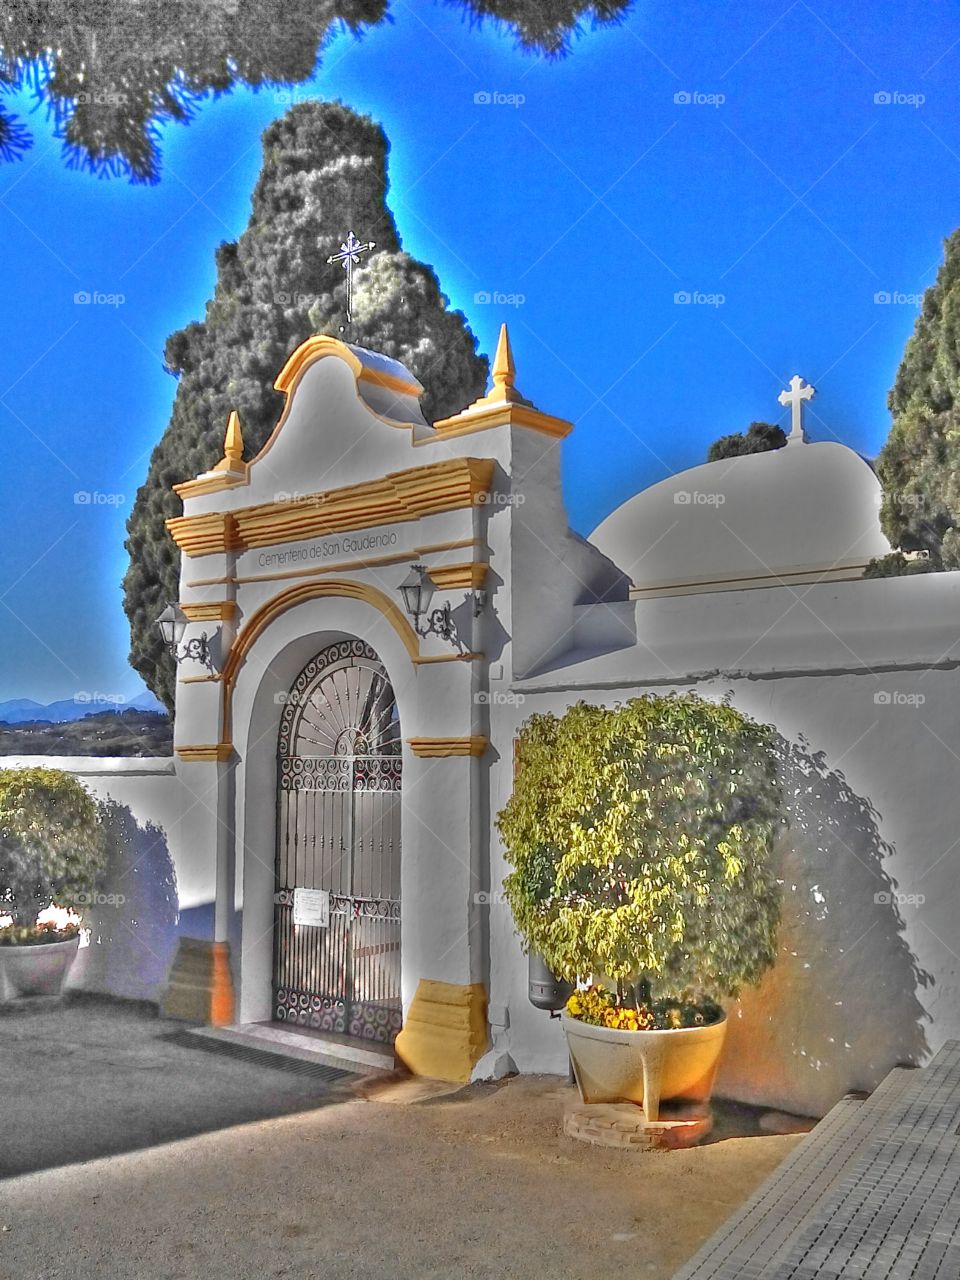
(338, 832)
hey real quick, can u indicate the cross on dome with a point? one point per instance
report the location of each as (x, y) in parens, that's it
(798, 392)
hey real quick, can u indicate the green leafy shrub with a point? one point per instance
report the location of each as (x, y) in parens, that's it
(896, 565)
(52, 845)
(640, 841)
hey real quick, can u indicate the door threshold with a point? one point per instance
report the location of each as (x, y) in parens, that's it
(361, 1057)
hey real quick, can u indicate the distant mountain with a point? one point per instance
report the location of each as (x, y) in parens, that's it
(25, 710)
(104, 733)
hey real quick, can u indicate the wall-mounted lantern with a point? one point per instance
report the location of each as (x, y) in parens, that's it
(418, 589)
(172, 624)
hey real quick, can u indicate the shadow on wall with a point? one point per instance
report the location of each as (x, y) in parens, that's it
(134, 918)
(841, 1006)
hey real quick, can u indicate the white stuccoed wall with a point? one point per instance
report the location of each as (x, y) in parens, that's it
(862, 981)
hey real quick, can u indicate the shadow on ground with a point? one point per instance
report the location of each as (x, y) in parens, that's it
(91, 1077)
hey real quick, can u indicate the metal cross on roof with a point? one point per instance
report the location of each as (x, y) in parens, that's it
(349, 257)
(795, 398)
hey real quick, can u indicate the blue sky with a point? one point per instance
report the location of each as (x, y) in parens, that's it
(784, 197)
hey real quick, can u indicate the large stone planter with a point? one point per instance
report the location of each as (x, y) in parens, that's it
(35, 970)
(644, 1066)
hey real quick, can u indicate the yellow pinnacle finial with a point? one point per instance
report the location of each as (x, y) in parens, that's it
(232, 459)
(233, 440)
(504, 389)
(504, 370)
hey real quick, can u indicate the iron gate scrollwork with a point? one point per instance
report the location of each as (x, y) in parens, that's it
(338, 829)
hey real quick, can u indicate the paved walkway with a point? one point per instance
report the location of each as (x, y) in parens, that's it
(872, 1194)
(90, 1078)
(357, 1180)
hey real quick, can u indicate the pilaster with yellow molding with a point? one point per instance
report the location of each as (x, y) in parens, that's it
(445, 1030)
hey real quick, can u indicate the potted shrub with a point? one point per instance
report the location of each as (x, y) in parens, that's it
(52, 849)
(640, 839)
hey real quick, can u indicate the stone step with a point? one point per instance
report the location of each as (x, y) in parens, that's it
(895, 1214)
(361, 1057)
(763, 1231)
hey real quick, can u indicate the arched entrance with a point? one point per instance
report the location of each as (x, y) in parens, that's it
(338, 831)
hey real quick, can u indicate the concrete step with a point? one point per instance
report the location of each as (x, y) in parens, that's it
(761, 1234)
(360, 1057)
(895, 1214)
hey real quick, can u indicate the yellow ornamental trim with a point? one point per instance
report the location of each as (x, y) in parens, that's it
(450, 576)
(211, 533)
(433, 748)
(400, 496)
(255, 625)
(207, 751)
(209, 610)
(320, 345)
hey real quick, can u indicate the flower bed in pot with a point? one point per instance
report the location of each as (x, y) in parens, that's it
(667, 1051)
(35, 961)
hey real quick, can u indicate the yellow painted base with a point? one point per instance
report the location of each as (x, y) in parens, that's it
(200, 988)
(445, 1031)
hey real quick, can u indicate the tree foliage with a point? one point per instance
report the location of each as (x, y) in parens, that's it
(640, 837)
(324, 172)
(896, 565)
(919, 466)
(112, 73)
(760, 437)
(52, 843)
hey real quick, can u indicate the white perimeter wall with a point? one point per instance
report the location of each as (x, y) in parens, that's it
(150, 788)
(860, 682)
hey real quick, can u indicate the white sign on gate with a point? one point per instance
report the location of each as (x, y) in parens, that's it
(312, 907)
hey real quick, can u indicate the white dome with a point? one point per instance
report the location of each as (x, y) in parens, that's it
(806, 512)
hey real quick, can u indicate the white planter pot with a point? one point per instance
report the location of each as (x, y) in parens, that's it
(35, 971)
(644, 1066)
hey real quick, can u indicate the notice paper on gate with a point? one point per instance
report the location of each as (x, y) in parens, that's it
(311, 906)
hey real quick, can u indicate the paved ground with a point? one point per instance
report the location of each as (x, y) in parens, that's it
(358, 1182)
(91, 1078)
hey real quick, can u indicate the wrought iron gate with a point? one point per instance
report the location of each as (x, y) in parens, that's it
(338, 829)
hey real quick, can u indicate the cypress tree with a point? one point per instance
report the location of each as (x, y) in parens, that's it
(324, 173)
(919, 466)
